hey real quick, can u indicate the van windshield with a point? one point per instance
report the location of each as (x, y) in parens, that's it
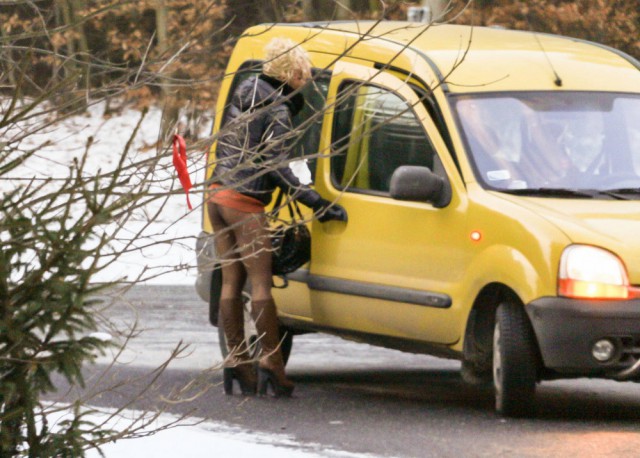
(551, 143)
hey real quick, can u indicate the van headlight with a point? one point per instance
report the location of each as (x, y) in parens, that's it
(588, 272)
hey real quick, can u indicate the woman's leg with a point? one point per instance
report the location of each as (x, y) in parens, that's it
(254, 244)
(233, 273)
(231, 316)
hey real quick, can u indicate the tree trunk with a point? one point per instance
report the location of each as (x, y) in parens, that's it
(171, 110)
(161, 26)
(8, 66)
(437, 9)
(71, 100)
(77, 7)
(321, 10)
(242, 14)
(67, 18)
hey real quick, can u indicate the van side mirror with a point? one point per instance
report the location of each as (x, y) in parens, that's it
(419, 184)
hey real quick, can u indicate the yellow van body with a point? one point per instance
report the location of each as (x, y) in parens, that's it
(430, 277)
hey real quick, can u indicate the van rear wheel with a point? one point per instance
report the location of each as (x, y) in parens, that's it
(515, 362)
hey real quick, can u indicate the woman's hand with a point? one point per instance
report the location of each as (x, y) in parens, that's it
(328, 211)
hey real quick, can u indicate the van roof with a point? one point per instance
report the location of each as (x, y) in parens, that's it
(471, 59)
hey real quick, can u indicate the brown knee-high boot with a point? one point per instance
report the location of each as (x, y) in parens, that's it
(238, 363)
(271, 365)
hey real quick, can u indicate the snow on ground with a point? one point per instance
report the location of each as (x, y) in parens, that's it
(195, 438)
(67, 140)
(214, 439)
(170, 259)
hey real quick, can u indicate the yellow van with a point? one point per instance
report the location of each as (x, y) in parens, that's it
(492, 182)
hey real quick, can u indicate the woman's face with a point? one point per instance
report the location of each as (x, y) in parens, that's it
(299, 79)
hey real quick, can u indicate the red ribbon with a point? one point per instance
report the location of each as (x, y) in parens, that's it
(180, 163)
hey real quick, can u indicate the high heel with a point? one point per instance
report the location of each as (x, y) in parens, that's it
(267, 377)
(271, 365)
(238, 362)
(246, 381)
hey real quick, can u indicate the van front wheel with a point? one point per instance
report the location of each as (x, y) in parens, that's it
(514, 361)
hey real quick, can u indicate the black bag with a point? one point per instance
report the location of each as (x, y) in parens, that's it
(291, 241)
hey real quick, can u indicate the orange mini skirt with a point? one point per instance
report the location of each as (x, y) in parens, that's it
(233, 199)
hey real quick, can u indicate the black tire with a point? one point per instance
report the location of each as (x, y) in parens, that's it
(478, 377)
(251, 335)
(286, 339)
(515, 361)
(214, 295)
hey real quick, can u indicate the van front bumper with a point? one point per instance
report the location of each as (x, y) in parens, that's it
(567, 329)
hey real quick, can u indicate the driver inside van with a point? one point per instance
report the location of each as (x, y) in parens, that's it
(491, 161)
(544, 153)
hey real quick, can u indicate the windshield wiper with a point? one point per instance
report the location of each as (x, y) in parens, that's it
(619, 194)
(623, 193)
(553, 192)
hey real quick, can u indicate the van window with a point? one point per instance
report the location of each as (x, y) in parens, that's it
(308, 122)
(375, 132)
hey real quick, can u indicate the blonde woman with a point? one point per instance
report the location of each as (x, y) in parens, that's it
(252, 160)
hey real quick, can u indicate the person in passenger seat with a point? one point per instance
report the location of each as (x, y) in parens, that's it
(252, 160)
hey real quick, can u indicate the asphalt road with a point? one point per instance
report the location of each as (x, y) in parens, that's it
(357, 398)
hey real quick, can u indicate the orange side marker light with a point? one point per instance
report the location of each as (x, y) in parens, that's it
(476, 236)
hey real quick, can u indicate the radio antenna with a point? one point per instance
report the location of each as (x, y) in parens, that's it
(558, 80)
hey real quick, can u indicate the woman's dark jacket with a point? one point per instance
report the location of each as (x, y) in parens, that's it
(253, 149)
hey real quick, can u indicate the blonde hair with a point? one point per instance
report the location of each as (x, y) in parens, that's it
(284, 58)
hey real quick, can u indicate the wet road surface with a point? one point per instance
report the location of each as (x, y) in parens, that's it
(358, 398)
